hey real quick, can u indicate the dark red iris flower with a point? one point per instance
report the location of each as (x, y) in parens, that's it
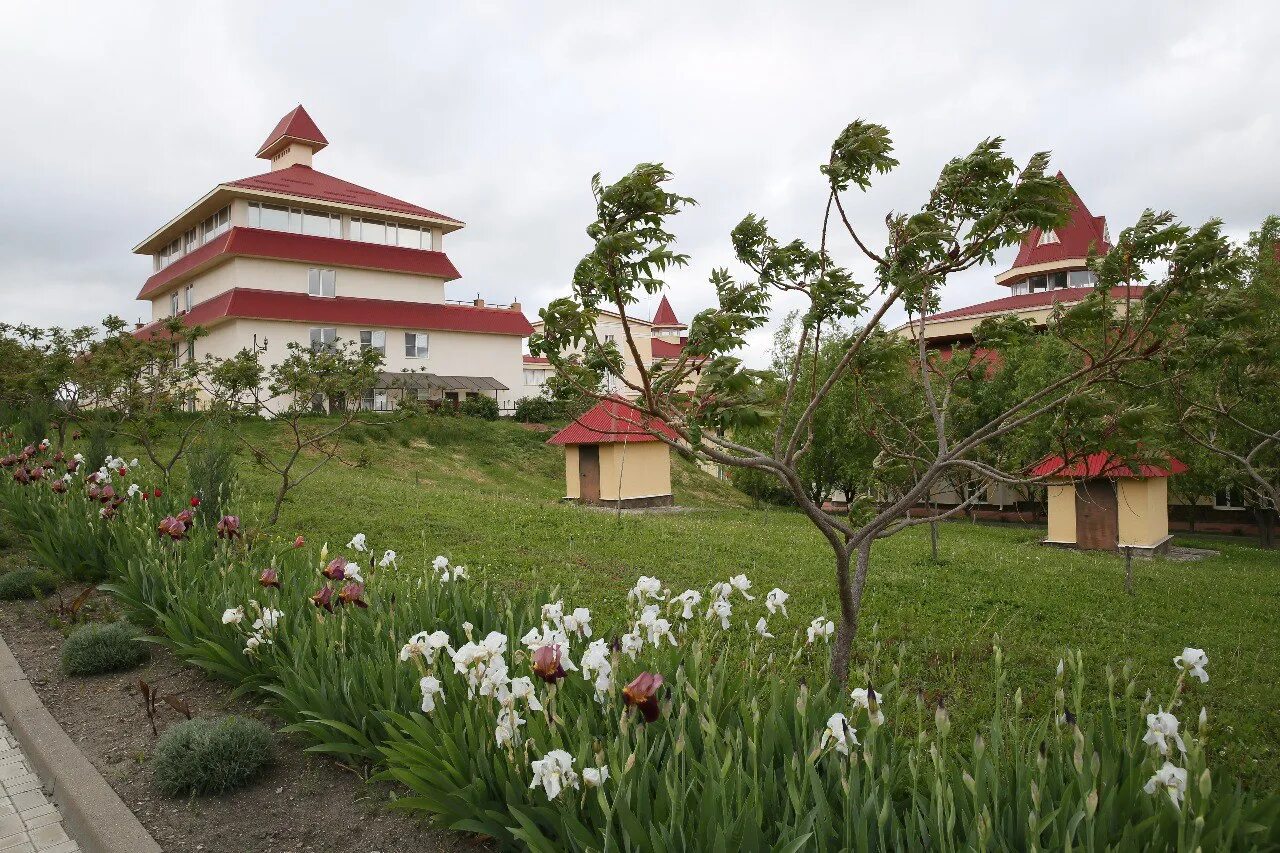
(37, 473)
(106, 494)
(73, 466)
(642, 692)
(323, 598)
(352, 593)
(22, 475)
(172, 527)
(195, 502)
(547, 665)
(58, 486)
(58, 457)
(75, 436)
(8, 461)
(186, 517)
(299, 542)
(337, 568)
(92, 478)
(269, 578)
(157, 493)
(228, 527)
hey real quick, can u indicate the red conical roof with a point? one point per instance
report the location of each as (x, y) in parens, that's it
(296, 125)
(666, 316)
(612, 421)
(1084, 230)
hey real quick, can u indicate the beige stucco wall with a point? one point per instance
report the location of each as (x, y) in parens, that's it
(1062, 513)
(1143, 507)
(643, 335)
(572, 488)
(292, 277)
(641, 470)
(449, 353)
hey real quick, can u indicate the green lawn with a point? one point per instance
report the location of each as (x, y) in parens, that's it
(487, 495)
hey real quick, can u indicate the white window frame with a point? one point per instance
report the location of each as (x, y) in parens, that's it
(316, 284)
(173, 304)
(332, 341)
(374, 335)
(188, 296)
(419, 350)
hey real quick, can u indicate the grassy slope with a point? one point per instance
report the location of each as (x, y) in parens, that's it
(488, 495)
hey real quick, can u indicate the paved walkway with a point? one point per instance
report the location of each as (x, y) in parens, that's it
(28, 821)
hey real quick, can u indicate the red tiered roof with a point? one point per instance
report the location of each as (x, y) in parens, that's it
(1082, 232)
(1103, 464)
(666, 316)
(612, 421)
(1039, 299)
(284, 246)
(241, 302)
(295, 125)
(306, 182)
(667, 349)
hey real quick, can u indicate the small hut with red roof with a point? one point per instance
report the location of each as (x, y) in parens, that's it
(614, 457)
(1103, 503)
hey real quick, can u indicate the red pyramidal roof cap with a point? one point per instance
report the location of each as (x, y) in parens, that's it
(295, 125)
(612, 421)
(665, 315)
(1103, 464)
(1082, 231)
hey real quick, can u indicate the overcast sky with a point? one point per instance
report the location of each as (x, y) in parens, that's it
(117, 116)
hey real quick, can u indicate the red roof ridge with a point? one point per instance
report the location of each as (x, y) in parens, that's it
(285, 245)
(253, 303)
(1039, 299)
(1103, 464)
(613, 420)
(298, 125)
(305, 182)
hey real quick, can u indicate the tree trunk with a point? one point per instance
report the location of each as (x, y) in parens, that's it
(275, 510)
(850, 606)
(1265, 519)
(933, 539)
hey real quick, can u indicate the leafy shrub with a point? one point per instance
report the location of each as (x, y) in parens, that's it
(205, 756)
(537, 410)
(485, 408)
(96, 648)
(98, 435)
(211, 474)
(26, 583)
(33, 421)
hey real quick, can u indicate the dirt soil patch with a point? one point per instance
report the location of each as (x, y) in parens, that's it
(304, 802)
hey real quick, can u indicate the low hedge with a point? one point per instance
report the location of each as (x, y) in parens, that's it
(95, 648)
(210, 756)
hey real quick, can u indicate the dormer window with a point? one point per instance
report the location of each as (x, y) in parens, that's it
(1047, 237)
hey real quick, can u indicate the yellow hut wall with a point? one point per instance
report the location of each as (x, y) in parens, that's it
(572, 488)
(640, 470)
(1062, 513)
(1143, 507)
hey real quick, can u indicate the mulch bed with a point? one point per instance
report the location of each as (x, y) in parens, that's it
(304, 802)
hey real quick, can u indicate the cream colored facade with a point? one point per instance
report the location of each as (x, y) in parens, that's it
(1142, 512)
(321, 212)
(628, 471)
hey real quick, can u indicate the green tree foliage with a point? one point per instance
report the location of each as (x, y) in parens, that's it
(981, 203)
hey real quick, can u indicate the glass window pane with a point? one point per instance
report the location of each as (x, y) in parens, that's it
(275, 218)
(355, 229)
(1057, 280)
(409, 345)
(1037, 282)
(373, 232)
(426, 238)
(410, 238)
(1082, 278)
(313, 282)
(328, 283)
(315, 224)
(335, 226)
(255, 215)
(380, 342)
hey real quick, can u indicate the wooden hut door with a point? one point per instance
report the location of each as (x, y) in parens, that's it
(589, 472)
(1097, 516)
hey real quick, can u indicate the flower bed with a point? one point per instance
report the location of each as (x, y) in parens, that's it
(524, 721)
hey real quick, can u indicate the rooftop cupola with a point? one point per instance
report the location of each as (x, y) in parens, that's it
(1054, 259)
(292, 141)
(665, 321)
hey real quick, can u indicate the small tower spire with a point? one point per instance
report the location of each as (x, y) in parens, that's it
(293, 141)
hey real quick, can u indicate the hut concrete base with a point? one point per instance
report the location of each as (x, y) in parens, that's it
(630, 503)
(1153, 550)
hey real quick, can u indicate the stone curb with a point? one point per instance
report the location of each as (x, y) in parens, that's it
(91, 811)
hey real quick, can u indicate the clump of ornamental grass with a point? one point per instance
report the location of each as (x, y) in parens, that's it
(97, 648)
(26, 583)
(210, 756)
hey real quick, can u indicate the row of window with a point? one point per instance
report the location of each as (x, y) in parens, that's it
(188, 299)
(416, 344)
(194, 238)
(298, 220)
(1055, 281)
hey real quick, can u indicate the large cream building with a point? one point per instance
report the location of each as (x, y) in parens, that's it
(658, 340)
(298, 256)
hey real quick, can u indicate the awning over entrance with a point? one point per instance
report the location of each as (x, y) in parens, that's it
(436, 382)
